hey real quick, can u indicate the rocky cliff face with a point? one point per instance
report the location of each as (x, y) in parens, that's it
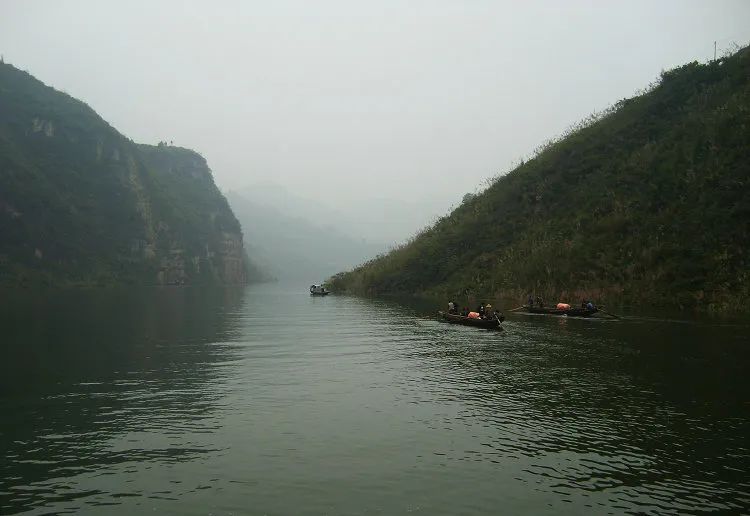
(82, 204)
(203, 243)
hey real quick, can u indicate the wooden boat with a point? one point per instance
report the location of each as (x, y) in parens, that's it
(570, 312)
(469, 321)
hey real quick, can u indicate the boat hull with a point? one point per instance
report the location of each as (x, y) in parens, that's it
(570, 312)
(488, 324)
(319, 293)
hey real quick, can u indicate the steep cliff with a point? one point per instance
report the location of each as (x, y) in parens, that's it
(82, 204)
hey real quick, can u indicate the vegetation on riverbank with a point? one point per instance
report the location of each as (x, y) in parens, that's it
(648, 202)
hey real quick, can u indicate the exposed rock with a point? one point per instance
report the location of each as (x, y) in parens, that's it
(105, 208)
(9, 210)
(44, 126)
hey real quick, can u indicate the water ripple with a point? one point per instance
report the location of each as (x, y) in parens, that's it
(210, 402)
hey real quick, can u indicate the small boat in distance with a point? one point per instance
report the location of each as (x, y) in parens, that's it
(489, 324)
(318, 290)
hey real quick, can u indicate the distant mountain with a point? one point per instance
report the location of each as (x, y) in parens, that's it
(365, 216)
(81, 204)
(289, 238)
(649, 203)
(394, 220)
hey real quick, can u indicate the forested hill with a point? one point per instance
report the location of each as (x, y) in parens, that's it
(81, 204)
(649, 203)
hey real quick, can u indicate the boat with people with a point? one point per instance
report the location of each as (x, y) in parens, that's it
(489, 324)
(483, 317)
(569, 311)
(319, 290)
(587, 308)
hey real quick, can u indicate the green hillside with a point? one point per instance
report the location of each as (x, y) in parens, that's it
(649, 203)
(82, 204)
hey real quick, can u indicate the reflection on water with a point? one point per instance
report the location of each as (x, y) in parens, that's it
(266, 400)
(93, 381)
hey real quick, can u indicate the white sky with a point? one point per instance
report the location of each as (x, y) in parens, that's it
(351, 100)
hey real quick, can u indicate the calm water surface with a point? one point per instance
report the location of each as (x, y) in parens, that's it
(268, 401)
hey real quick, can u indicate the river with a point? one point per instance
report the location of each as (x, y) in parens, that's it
(265, 400)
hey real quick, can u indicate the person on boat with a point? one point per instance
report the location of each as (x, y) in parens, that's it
(497, 315)
(584, 303)
(530, 301)
(480, 310)
(488, 311)
(590, 306)
(465, 311)
(451, 307)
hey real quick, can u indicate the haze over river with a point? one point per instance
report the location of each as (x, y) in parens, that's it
(265, 400)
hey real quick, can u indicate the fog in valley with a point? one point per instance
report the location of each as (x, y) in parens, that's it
(339, 129)
(389, 257)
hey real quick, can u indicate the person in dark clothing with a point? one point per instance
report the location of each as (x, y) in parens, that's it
(465, 311)
(481, 310)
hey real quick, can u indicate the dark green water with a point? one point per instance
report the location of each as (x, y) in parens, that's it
(268, 401)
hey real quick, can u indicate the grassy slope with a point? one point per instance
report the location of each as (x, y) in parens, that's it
(651, 203)
(89, 199)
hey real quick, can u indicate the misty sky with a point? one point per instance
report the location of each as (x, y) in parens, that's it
(351, 100)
